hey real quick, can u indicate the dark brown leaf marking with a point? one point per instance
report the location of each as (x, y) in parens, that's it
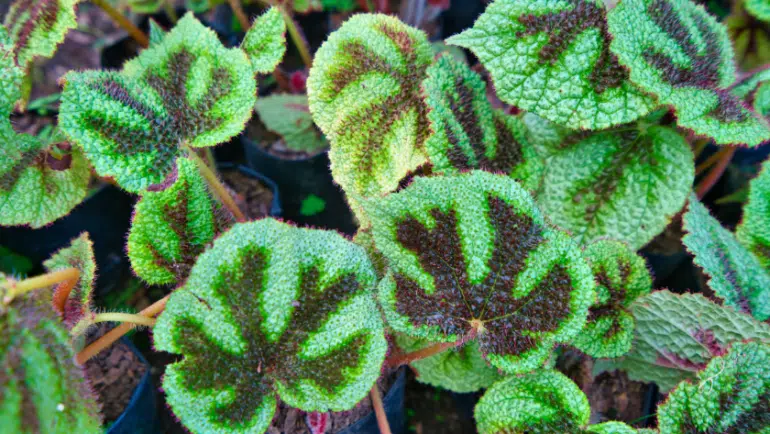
(42, 15)
(616, 301)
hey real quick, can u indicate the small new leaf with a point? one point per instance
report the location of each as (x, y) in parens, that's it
(736, 275)
(289, 116)
(678, 52)
(467, 133)
(543, 401)
(364, 92)
(732, 395)
(754, 230)
(80, 255)
(289, 312)
(265, 42)
(624, 185)
(553, 58)
(41, 388)
(621, 277)
(470, 254)
(134, 124)
(37, 27)
(677, 335)
(173, 226)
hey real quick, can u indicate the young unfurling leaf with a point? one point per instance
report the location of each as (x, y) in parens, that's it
(173, 226)
(736, 275)
(288, 312)
(80, 255)
(37, 27)
(289, 116)
(265, 42)
(470, 254)
(42, 390)
(364, 92)
(624, 184)
(754, 230)
(621, 277)
(134, 124)
(553, 58)
(682, 55)
(467, 133)
(732, 395)
(677, 335)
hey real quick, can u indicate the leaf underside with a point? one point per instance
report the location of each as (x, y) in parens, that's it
(675, 50)
(186, 90)
(553, 58)
(754, 230)
(472, 248)
(677, 335)
(80, 255)
(265, 42)
(621, 276)
(289, 116)
(735, 274)
(289, 311)
(37, 27)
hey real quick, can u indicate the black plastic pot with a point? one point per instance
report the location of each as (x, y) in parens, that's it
(140, 416)
(275, 204)
(301, 181)
(394, 410)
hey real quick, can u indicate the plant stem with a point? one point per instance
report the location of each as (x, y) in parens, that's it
(379, 410)
(113, 335)
(61, 294)
(399, 359)
(17, 288)
(240, 14)
(123, 22)
(710, 161)
(699, 146)
(124, 318)
(297, 37)
(216, 185)
(716, 172)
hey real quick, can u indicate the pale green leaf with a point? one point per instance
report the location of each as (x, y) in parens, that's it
(289, 116)
(265, 42)
(37, 27)
(754, 230)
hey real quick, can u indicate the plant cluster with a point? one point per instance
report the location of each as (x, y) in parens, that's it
(487, 239)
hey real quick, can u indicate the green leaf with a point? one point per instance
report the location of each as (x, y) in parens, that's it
(134, 124)
(80, 255)
(37, 27)
(732, 395)
(552, 57)
(621, 277)
(754, 230)
(624, 184)
(543, 401)
(677, 335)
(289, 116)
(265, 42)
(173, 226)
(470, 252)
(682, 55)
(290, 313)
(157, 34)
(735, 274)
(43, 391)
(467, 133)
(10, 75)
(611, 428)
(145, 6)
(460, 370)
(759, 8)
(312, 205)
(364, 92)
(546, 136)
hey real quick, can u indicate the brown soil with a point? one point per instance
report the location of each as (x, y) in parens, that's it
(292, 421)
(251, 196)
(114, 374)
(430, 410)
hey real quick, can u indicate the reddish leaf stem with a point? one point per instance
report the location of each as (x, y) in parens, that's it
(399, 359)
(716, 172)
(138, 35)
(379, 410)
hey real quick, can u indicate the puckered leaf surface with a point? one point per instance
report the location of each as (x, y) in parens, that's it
(621, 277)
(265, 42)
(471, 252)
(467, 133)
(41, 388)
(80, 255)
(37, 27)
(187, 90)
(543, 401)
(732, 395)
(677, 335)
(552, 57)
(754, 230)
(289, 312)
(678, 52)
(736, 275)
(11, 76)
(624, 184)
(173, 226)
(289, 116)
(461, 370)
(611, 428)
(364, 92)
